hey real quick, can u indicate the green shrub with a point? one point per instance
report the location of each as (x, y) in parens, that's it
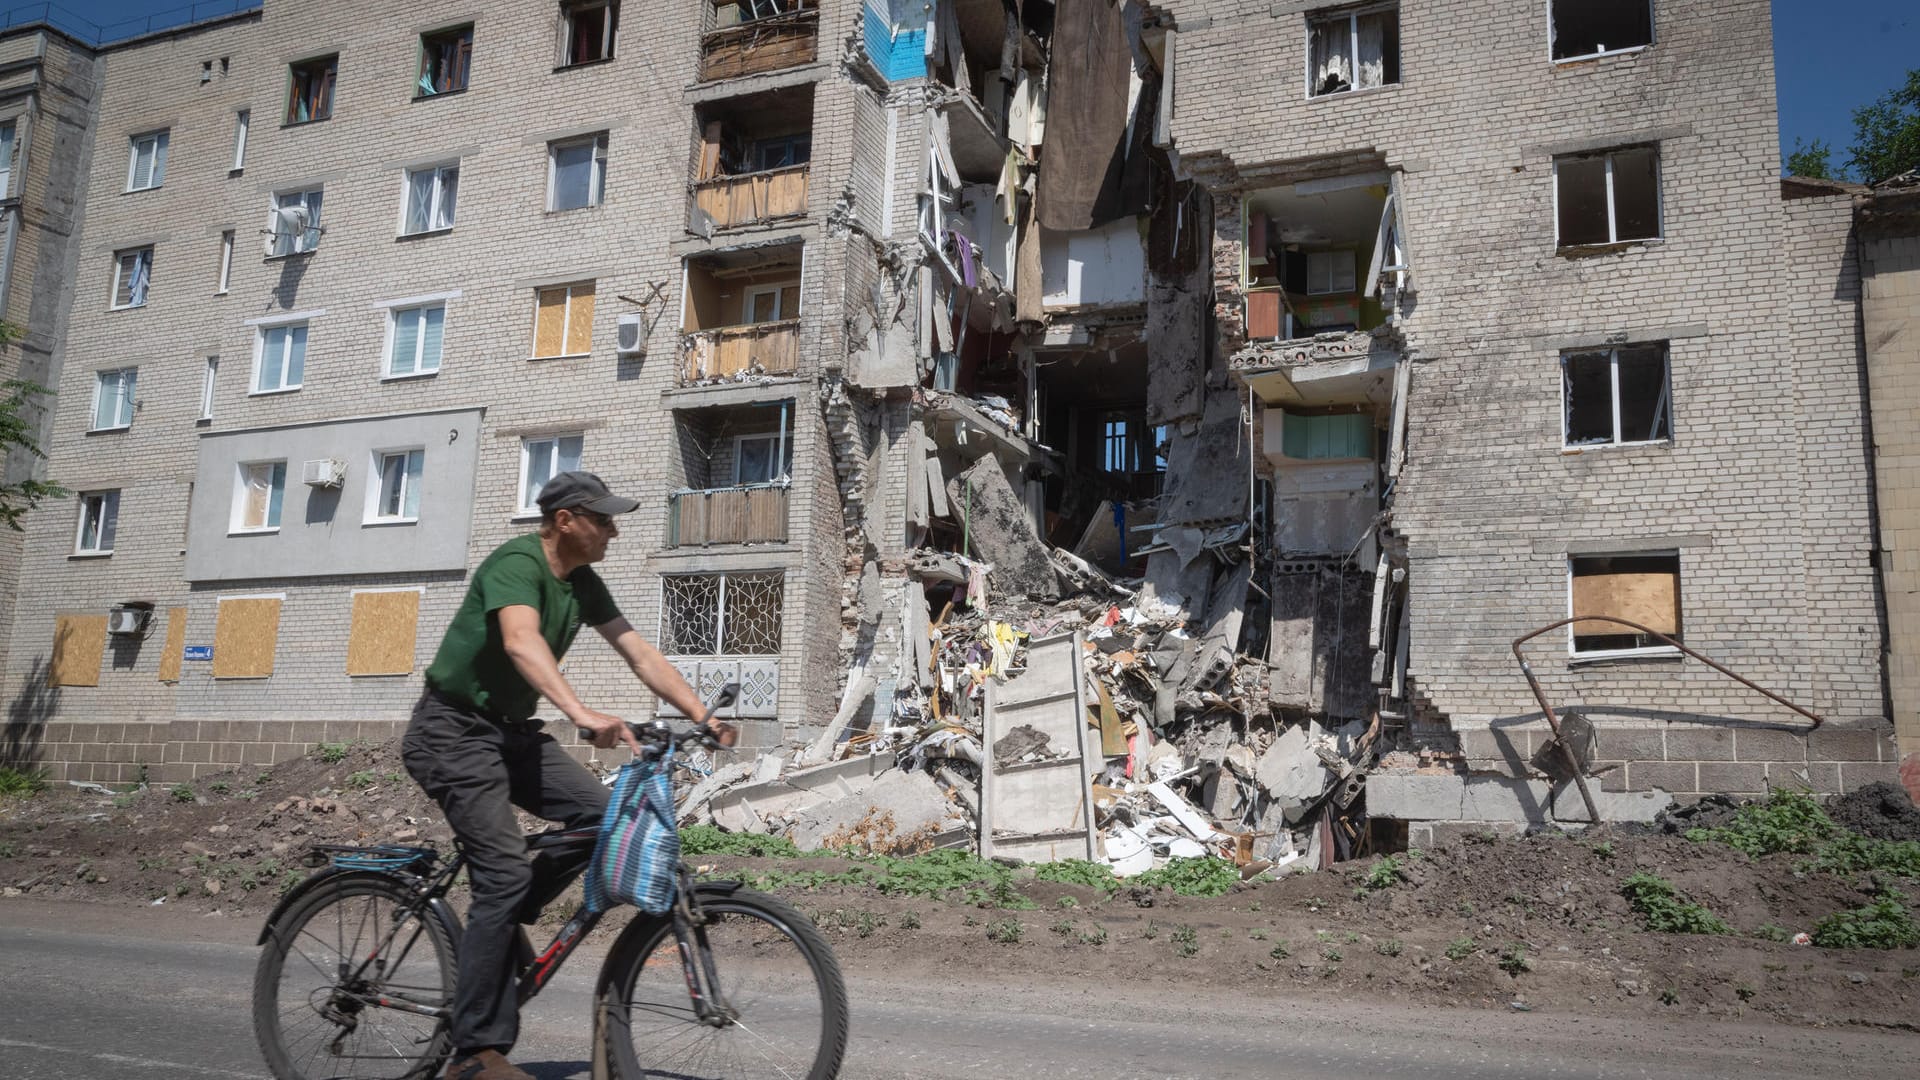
(1884, 924)
(1461, 948)
(182, 793)
(1006, 932)
(1389, 947)
(1202, 876)
(1093, 875)
(1513, 960)
(1384, 875)
(1664, 910)
(22, 781)
(333, 753)
(713, 840)
(1793, 822)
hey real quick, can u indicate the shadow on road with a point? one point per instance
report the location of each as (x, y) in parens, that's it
(557, 1070)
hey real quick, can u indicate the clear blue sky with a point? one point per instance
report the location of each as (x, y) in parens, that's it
(1831, 56)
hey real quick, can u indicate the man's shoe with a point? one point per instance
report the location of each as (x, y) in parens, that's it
(486, 1065)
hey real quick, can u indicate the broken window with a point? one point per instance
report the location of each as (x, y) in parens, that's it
(132, 272)
(310, 89)
(587, 31)
(1609, 198)
(445, 58)
(780, 152)
(1617, 396)
(1329, 272)
(721, 614)
(1353, 49)
(1582, 28)
(1642, 588)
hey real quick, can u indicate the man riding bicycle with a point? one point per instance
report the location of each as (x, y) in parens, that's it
(476, 749)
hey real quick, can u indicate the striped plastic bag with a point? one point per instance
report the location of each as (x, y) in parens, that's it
(635, 858)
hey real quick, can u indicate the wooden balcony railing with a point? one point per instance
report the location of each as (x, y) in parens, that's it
(768, 348)
(769, 44)
(729, 515)
(763, 196)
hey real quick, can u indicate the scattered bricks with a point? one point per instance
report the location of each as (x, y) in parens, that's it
(1831, 742)
(1762, 744)
(1859, 774)
(1673, 776)
(1822, 777)
(1732, 779)
(1686, 743)
(1632, 744)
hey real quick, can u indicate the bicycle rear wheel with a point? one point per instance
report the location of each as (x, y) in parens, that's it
(783, 1007)
(338, 980)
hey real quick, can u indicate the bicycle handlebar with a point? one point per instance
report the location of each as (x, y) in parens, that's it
(707, 733)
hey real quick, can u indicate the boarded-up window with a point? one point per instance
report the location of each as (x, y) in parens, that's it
(79, 643)
(172, 652)
(381, 640)
(244, 637)
(1640, 588)
(563, 321)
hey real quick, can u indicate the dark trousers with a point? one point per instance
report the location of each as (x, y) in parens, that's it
(478, 769)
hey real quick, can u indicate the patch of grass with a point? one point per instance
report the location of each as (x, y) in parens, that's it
(219, 787)
(22, 782)
(910, 921)
(867, 923)
(1186, 940)
(332, 753)
(1257, 935)
(1793, 822)
(713, 840)
(182, 793)
(1203, 876)
(1663, 910)
(1389, 947)
(1461, 948)
(1772, 932)
(1330, 954)
(1280, 951)
(1093, 875)
(1884, 924)
(1604, 849)
(1064, 928)
(1384, 875)
(1066, 902)
(361, 780)
(1669, 996)
(1006, 932)
(1513, 960)
(1095, 936)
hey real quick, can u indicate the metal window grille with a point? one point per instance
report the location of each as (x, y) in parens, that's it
(721, 614)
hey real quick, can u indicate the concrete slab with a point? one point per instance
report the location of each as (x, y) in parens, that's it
(1292, 773)
(1001, 532)
(1454, 797)
(898, 809)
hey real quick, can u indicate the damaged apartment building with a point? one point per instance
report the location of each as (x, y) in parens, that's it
(1083, 428)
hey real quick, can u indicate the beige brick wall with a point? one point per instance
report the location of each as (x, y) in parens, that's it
(1891, 313)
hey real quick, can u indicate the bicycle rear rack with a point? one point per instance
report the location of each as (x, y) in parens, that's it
(383, 857)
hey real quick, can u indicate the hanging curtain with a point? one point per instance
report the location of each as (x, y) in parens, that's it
(1372, 50)
(1331, 54)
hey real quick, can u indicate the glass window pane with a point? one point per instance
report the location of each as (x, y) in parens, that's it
(1644, 406)
(1589, 401)
(279, 481)
(572, 175)
(416, 461)
(449, 192)
(431, 332)
(569, 453)
(539, 470)
(296, 355)
(419, 199)
(1636, 194)
(1581, 187)
(406, 341)
(128, 380)
(109, 519)
(755, 463)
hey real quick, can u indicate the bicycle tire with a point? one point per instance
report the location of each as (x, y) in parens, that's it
(649, 1014)
(332, 1031)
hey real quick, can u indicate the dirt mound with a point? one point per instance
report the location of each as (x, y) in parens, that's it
(1881, 810)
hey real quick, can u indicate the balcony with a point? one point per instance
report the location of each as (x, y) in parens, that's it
(766, 44)
(732, 201)
(769, 348)
(744, 514)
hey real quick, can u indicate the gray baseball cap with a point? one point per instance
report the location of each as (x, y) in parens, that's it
(582, 491)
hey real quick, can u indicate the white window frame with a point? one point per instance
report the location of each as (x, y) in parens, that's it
(1613, 371)
(377, 485)
(237, 519)
(435, 198)
(138, 256)
(757, 291)
(103, 509)
(1651, 651)
(528, 507)
(306, 240)
(597, 166)
(1352, 16)
(255, 389)
(242, 120)
(777, 444)
(157, 169)
(1613, 225)
(1653, 36)
(608, 31)
(207, 384)
(128, 390)
(420, 370)
(8, 135)
(1329, 260)
(226, 262)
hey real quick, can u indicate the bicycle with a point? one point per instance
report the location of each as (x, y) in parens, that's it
(374, 941)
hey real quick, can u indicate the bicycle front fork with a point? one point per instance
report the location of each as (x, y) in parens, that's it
(710, 1004)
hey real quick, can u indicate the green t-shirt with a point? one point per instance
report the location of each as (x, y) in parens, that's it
(472, 663)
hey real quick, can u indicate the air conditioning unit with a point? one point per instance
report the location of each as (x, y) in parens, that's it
(631, 340)
(288, 221)
(127, 620)
(324, 473)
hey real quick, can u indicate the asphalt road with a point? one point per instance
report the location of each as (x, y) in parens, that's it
(106, 996)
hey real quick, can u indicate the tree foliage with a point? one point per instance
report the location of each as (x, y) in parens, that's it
(18, 431)
(1811, 160)
(1886, 133)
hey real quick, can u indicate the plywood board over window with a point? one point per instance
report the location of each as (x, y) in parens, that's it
(1652, 600)
(245, 635)
(172, 651)
(79, 644)
(385, 625)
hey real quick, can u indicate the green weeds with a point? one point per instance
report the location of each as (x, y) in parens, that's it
(1385, 874)
(1203, 876)
(22, 782)
(1793, 822)
(1461, 948)
(1884, 924)
(1663, 910)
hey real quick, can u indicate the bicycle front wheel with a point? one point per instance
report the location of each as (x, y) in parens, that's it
(776, 1007)
(347, 983)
